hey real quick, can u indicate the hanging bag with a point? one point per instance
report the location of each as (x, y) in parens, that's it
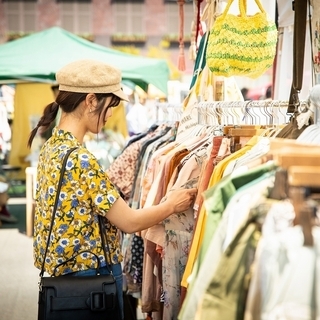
(242, 45)
(81, 298)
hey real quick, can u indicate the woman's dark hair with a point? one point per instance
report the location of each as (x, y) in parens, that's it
(68, 102)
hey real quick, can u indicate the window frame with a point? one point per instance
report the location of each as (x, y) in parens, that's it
(126, 1)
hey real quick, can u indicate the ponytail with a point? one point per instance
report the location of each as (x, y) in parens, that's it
(49, 115)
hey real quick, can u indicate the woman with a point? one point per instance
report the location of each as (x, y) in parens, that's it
(88, 90)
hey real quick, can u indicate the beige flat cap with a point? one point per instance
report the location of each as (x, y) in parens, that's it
(90, 76)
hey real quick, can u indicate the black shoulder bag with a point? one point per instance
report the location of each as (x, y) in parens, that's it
(81, 298)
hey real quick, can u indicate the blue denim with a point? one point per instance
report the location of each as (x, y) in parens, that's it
(117, 273)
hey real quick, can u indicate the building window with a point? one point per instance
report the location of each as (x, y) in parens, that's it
(21, 16)
(74, 1)
(76, 16)
(127, 1)
(129, 18)
(173, 21)
(175, 1)
(19, 0)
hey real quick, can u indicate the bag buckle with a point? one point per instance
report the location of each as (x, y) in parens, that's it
(97, 300)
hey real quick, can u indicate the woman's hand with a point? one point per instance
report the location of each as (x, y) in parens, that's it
(133, 220)
(181, 199)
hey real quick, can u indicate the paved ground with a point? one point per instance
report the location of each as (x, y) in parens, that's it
(18, 277)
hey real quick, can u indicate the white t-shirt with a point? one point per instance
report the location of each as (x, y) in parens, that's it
(137, 118)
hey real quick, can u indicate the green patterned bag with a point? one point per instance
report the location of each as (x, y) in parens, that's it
(241, 45)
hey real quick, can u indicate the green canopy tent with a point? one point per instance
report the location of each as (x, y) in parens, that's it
(37, 57)
(31, 62)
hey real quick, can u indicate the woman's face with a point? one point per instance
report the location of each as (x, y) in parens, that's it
(107, 113)
(97, 120)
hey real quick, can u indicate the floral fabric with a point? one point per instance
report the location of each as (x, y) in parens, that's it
(86, 192)
(179, 229)
(122, 171)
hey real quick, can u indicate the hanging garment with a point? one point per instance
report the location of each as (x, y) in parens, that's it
(221, 166)
(291, 130)
(140, 165)
(216, 200)
(122, 170)
(215, 206)
(261, 148)
(310, 135)
(151, 301)
(176, 231)
(284, 282)
(132, 264)
(178, 235)
(152, 170)
(200, 61)
(203, 184)
(141, 135)
(202, 216)
(157, 189)
(226, 295)
(283, 72)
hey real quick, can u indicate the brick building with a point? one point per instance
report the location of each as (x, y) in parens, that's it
(140, 23)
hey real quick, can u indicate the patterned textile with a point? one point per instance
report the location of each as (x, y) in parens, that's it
(133, 264)
(136, 191)
(241, 45)
(178, 236)
(151, 169)
(155, 246)
(86, 192)
(122, 170)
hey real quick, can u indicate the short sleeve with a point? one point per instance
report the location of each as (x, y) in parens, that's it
(92, 181)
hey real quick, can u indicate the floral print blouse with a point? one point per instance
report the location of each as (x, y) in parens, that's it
(86, 192)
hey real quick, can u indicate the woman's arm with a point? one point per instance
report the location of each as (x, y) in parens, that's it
(129, 220)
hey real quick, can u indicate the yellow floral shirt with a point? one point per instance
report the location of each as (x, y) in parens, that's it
(86, 192)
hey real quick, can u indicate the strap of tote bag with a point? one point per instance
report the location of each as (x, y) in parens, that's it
(299, 39)
(242, 7)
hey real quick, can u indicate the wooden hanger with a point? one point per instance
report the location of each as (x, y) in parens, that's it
(301, 180)
(287, 160)
(281, 145)
(304, 176)
(228, 130)
(243, 132)
(247, 130)
(304, 213)
(239, 132)
(272, 130)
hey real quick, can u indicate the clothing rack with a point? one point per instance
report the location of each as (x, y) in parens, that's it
(264, 112)
(166, 111)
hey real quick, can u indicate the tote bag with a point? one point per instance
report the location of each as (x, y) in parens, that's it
(242, 45)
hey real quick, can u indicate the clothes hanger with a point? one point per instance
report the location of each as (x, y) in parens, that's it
(236, 131)
(287, 160)
(304, 212)
(244, 132)
(303, 182)
(304, 176)
(295, 183)
(287, 153)
(233, 130)
(280, 145)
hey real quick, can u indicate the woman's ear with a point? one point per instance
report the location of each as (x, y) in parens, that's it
(90, 101)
